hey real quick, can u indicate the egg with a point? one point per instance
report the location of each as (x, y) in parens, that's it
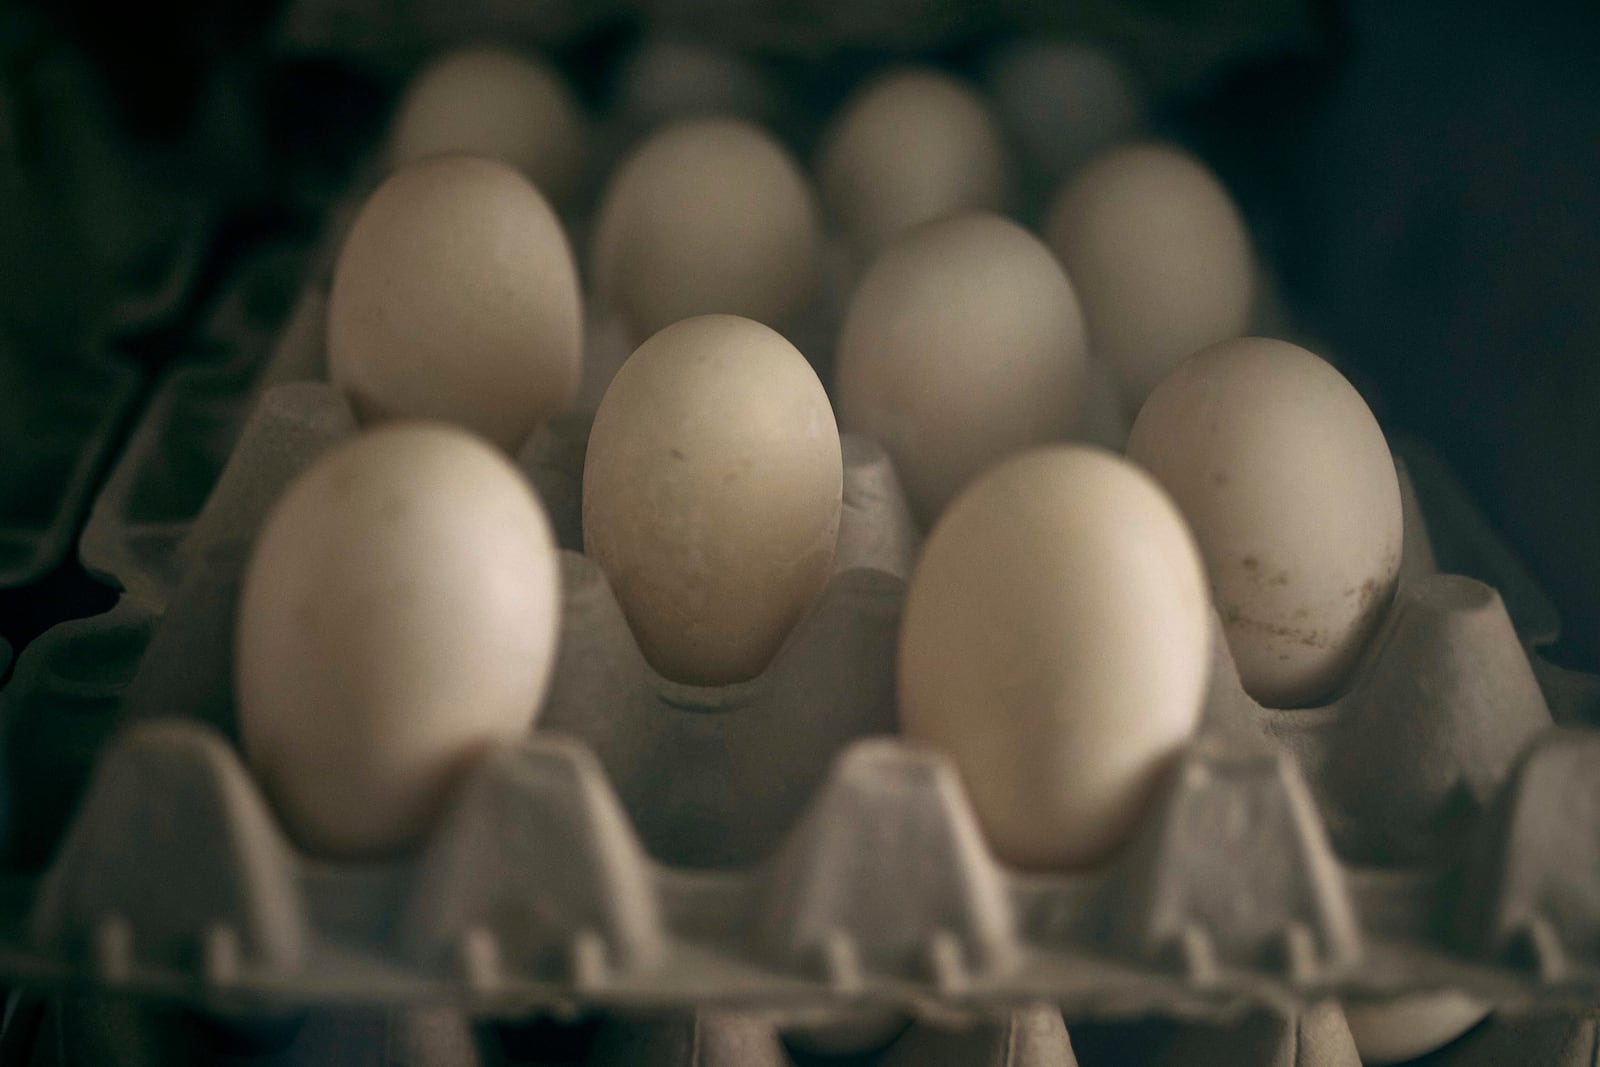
(494, 102)
(1063, 103)
(712, 490)
(961, 345)
(1160, 257)
(911, 146)
(708, 216)
(1055, 645)
(1404, 1028)
(455, 297)
(398, 617)
(1289, 485)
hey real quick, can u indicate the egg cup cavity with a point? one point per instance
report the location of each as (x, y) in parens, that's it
(57, 713)
(761, 747)
(157, 281)
(1231, 867)
(890, 813)
(111, 901)
(535, 870)
(1405, 760)
(60, 414)
(178, 448)
(1528, 900)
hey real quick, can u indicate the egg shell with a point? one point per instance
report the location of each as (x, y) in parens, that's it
(455, 297)
(498, 103)
(1288, 483)
(712, 490)
(1160, 257)
(1056, 645)
(707, 216)
(911, 146)
(1063, 103)
(961, 345)
(1403, 1028)
(398, 617)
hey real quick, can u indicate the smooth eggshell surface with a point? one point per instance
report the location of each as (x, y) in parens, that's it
(712, 491)
(912, 146)
(1404, 1028)
(398, 617)
(1160, 257)
(1289, 485)
(456, 298)
(1055, 644)
(494, 102)
(961, 345)
(707, 216)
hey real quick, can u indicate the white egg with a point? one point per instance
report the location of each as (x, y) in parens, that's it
(456, 298)
(1289, 485)
(398, 617)
(1055, 644)
(712, 490)
(1063, 103)
(494, 102)
(1404, 1028)
(1160, 257)
(707, 216)
(961, 345)
(912, 146)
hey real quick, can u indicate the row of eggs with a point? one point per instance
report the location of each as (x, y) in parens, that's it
(1064, 594)
(401, 610)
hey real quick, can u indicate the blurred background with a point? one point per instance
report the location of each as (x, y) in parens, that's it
(1424, 175)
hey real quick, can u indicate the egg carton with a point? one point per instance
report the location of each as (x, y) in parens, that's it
(160, 481)
(61, 414)
(765, 847)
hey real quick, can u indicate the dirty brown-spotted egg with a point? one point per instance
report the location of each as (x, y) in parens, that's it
(911, 146)
(398, 617)
(494, 102)
(712, 490)
(1160, 257)
(961, 345)
(1289, 485)
(456, 298)
(708, 216)
(1056, 645)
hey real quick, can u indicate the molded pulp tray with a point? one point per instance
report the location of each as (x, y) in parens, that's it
(760, 854)
(583, 868)
(59, 420)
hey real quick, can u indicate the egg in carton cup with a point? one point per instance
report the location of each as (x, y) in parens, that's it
(1417, 834)
(1410, 837)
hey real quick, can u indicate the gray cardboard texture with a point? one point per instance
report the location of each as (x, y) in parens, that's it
(802, 870)
(168, 465)
(720, 866)
(60, 414)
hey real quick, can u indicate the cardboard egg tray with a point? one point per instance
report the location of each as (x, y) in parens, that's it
(768, 852)
(60, 415)
(714, 867)
(96, 250)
